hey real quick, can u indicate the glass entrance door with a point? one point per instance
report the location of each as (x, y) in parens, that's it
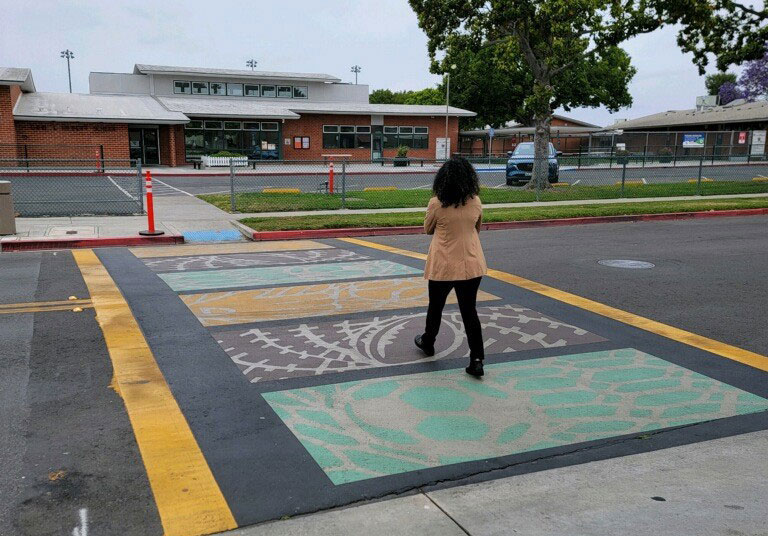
(376, 142)
(144, 144)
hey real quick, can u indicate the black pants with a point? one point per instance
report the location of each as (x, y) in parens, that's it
(466, 294)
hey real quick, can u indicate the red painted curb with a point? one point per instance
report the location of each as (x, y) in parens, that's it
(30, 244)
(407, 230)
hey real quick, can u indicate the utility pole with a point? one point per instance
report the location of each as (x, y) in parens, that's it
(356, 69)
(252, 64)
(69, 55)
(447, 99)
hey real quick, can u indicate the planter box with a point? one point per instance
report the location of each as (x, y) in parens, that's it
(224, 161)
(400, 162)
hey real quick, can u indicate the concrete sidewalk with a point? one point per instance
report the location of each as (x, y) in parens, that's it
(660, 492)
(185, 214)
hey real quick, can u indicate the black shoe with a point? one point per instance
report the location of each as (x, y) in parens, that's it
(427, 349)
(475, 368)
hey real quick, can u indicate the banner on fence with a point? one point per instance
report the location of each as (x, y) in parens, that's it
(693, 141)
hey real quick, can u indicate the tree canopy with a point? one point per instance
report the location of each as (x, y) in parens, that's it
(423, 96)
(546, 54)
(714, 82)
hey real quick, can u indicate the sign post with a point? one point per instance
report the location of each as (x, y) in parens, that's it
(491, 134)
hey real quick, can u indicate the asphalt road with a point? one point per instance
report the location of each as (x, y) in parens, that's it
(66, 442)
(248, 181)
(710, 275)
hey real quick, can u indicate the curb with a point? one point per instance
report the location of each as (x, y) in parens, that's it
(418, 229)
(33, 244)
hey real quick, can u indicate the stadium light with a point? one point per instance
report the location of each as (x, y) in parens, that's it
(356, 69)
(69, 55)
(252, 64)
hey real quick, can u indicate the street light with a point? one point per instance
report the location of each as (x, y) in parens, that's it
(356, 69)
(69, 55)
(252, 64)
(447, 98)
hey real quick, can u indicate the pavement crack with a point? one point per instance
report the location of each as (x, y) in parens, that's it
(430, 499)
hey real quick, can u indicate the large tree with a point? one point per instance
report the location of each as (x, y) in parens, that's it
(428, 95)
(566, 52)
(714, 82)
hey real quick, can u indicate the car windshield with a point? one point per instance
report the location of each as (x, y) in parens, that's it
(526, 149)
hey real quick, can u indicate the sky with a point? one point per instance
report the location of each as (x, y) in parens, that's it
(326, 36)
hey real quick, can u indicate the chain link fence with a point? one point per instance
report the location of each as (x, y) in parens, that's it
(594, 177)
(56, 187)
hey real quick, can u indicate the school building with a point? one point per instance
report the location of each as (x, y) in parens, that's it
(168, 115)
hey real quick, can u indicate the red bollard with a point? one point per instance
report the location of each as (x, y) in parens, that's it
(150, 210)
(330, 178)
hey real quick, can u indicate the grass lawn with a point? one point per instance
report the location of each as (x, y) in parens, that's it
(336, 221)
(260, 202)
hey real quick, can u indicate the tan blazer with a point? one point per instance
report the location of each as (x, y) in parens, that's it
(455, 253)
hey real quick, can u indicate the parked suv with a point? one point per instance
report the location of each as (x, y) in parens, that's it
(520, 164)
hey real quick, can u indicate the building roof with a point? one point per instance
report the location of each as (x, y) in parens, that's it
(94, 108)
(229, 107)
(211, 107)
(17, 76)
(511, 131)
(141, 68)
(735, 112)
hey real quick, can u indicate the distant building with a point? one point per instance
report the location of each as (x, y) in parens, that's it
(168, 115)
(735, 129)
(568, 135)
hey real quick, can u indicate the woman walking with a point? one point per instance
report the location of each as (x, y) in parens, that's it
(455, 259)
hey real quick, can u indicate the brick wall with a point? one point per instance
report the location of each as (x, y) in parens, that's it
(172, 151)
(59, 139)
(8, 96)
(312, 125)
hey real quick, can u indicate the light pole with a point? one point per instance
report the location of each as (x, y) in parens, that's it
(252, 64)
(447, 98)
(356, 69)
(69, 55)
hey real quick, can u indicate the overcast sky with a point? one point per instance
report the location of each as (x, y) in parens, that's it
(325, 36)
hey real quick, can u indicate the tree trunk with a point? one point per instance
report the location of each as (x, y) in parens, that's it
(540, 173)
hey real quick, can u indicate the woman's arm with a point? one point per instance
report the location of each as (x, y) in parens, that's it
(430, 218)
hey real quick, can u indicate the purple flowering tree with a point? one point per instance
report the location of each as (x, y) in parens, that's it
(729, 92)
(754, 79)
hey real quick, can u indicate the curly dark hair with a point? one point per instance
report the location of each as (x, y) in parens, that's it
(455, 182)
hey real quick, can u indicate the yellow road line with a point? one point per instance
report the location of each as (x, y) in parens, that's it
(710, 345)
(20, 310)
(82, 301)
(186, 493)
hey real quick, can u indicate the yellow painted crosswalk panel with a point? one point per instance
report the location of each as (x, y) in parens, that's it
(223, 249)
(277, 303)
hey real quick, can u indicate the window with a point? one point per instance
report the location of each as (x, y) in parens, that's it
(284, 92)
(181, 86)
(269, 126)
(213, 125)
(232, 140)
(363, 139)
(301, 142)
(300, 92)
(390, 138)
(233, 125)
(421, 138)
(199, 88)
(235, 90)
(267, 91)
(217, 88)
(251, 90)
(194, 139)
(195, 124)
(330, 137)
(251, 126)
(347, 137)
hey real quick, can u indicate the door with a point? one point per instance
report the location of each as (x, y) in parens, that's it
(151, 147)
(144, 144)
(376, 142)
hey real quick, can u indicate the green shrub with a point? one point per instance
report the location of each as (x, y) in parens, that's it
(402, 151)
(227, 154)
